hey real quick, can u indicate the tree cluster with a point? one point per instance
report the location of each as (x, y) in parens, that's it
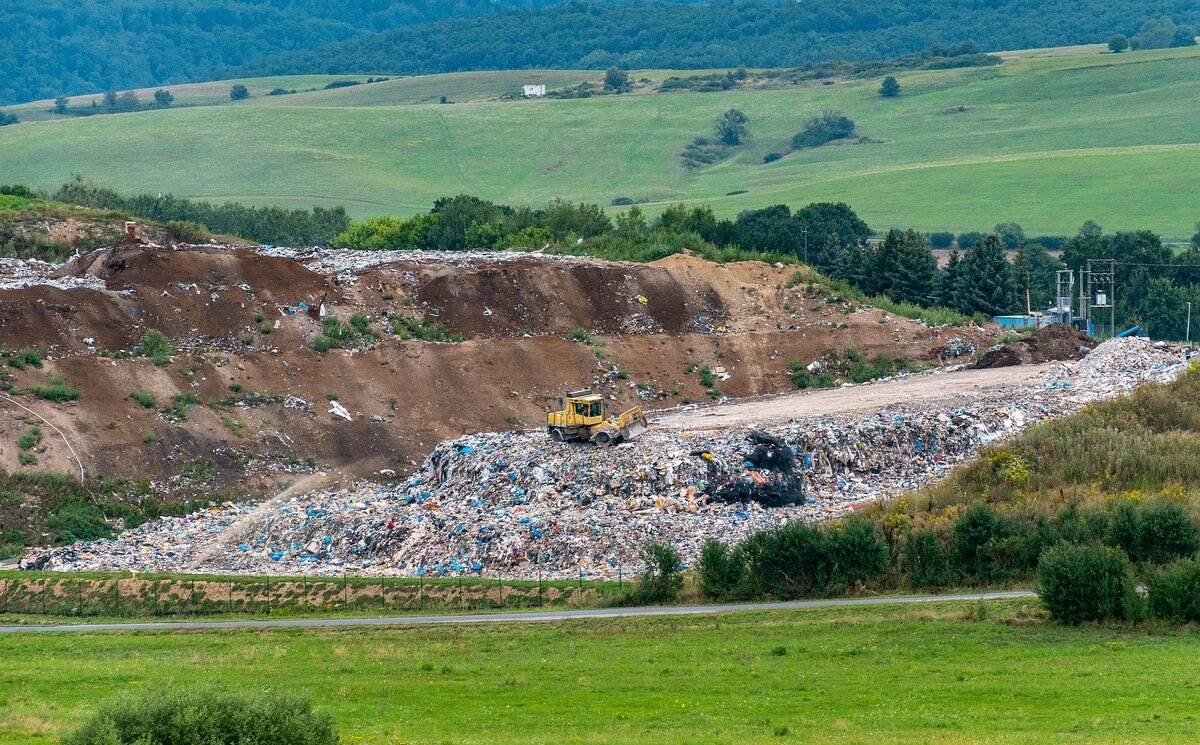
(262, 224)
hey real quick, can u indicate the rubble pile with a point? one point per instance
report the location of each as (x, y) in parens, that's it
(1119, 365)
(524, 505)
(338, 260)
(1054, 342)
(17, 274)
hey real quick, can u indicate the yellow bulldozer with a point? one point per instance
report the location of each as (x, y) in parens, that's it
(582, 418)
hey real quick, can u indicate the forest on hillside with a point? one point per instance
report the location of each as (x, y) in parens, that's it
(68, 47)
(757, 33)
(50, 48)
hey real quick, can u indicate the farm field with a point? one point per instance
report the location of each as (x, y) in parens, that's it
(1050, 139)
(887, 674)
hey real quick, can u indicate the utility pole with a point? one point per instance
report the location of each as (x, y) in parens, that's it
(1189, 324)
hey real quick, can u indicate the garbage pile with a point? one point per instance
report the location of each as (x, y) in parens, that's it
(1120, 364)
(17, 274)
(522, 504)
(338, 260)
(526, 506)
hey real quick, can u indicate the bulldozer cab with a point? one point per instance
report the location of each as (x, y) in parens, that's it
(582, 410)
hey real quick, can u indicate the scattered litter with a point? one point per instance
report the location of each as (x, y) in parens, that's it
(524, 505)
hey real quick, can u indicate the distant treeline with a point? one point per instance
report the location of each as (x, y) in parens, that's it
(260, 224)
(51, 48)
(69, 47)
(1154, 284)
(936, 57)
(758, 33)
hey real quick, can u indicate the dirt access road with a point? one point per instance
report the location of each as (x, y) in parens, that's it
(941, 388)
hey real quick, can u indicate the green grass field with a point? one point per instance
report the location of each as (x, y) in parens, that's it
(1050, 139)
(865, 675)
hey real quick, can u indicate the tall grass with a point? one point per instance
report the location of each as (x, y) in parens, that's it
(1141, 444)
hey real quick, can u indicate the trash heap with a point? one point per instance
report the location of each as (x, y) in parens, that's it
(526, 506)
(1120, 364)
(17, 274)
(338, 260)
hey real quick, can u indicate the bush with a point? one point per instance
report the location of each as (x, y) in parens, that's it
(772, 157)
(787, 562)
(58, 390)
(924, 560)
(1173, 592)
(822, 129)
(941, 239)
(355, 334)
(979, 528)
(238, 92)
(721, 571)
(662, 580)
(26, 357)
(77, 522)
(157, 347)
(1165, 532)
(857, 553)
(1087, 583)
(202, 717)
(180, 231)
(424, 329)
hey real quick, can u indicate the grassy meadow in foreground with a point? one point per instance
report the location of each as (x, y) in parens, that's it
(898, 674)
(1049, 139)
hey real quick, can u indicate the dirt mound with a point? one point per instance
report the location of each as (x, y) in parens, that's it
(249, 395)
(1050, 344)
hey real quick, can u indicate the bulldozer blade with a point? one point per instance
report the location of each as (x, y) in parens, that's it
(634, 429)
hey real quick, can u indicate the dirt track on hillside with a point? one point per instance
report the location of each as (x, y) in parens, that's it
(919, 389)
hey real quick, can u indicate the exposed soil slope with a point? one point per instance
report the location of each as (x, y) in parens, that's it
(649, 326)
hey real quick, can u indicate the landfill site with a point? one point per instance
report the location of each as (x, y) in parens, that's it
(409, 452)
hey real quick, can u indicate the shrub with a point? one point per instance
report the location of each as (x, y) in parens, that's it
(27, 459)
(238, 92)
(58, 390)
(1165, 532)
(857, 553)
(787, 562)
(941, 239)
(201, 717)
(145, 399)
(721, 570)
(772, 157)
(424, 329)
(1173, 592)
(78, 522)
(822, 129)
(979, 528)
(924, 560)
(27, 356)
(355, 334)
(156, 346)
(323, 343)
(182, 231)
(1087, 583)
(662, 580)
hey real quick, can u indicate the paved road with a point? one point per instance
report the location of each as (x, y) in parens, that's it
(531, 617)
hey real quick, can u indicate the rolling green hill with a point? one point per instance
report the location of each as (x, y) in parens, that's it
(1050, 139)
